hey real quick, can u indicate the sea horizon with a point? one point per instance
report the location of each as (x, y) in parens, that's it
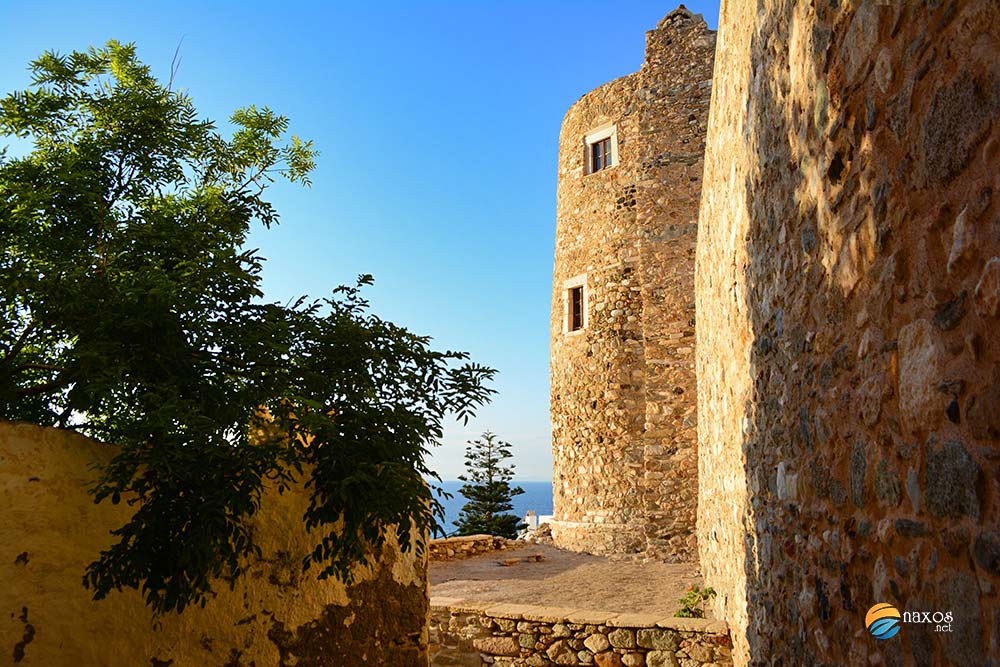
(537, 496)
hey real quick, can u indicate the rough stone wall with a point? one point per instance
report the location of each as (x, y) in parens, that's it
(623, 389)
(275, 615)
(848, 279)
(469, 635)
(677, 80)
(467, 546)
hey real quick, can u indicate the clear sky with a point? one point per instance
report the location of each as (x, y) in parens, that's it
(438, 124)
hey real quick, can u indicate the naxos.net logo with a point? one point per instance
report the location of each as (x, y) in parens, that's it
(883, 620)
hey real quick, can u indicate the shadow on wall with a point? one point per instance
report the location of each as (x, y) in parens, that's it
(871, 283)
(273, 615)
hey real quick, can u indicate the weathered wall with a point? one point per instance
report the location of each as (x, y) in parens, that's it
(275, 615)
(465, 634)
(848, 279)
(623, 389)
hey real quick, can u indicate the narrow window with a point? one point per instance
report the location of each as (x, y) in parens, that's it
(576, 308)
(596, 159)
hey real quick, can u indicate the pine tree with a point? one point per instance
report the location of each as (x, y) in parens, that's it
(488, 490)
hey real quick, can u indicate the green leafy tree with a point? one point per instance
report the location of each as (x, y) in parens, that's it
(130, 311)
(488, 490)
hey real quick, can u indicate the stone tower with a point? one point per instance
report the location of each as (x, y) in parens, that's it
(622, 328)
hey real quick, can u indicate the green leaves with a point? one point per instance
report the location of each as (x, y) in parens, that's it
(692, 605)
(131, 311)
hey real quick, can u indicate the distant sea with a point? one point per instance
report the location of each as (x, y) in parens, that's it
(537, 496)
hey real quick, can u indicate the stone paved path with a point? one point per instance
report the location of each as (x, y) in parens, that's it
(565, 579)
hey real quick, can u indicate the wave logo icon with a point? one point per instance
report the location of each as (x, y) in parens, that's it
(883, 620)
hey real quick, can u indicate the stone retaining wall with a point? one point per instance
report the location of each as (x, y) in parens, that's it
(467, 634)
(467, 546)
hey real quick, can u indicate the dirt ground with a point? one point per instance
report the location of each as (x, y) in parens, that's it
(565, 579)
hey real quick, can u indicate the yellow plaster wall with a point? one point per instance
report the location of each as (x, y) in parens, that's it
(276, 615)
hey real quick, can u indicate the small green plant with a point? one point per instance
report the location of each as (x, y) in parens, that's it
(693, 604)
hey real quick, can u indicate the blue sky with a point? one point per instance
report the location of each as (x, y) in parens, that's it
(438, 124)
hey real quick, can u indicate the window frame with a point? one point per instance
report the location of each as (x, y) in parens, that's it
(575, 283)
(576, 308)
(609, 132)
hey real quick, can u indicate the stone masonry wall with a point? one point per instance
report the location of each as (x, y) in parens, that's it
(452, 548)
(848, 282)
(623, 388)
(274, 615)
(505, 635)
(677, 80)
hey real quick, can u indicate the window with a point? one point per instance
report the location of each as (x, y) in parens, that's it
(600, 154)
(575, 305)
(576, 308)
(602, 148)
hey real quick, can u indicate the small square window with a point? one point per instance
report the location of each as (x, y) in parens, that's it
(602, 148)
(600, 154)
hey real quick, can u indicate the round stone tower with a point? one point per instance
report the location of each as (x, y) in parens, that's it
(622, 329)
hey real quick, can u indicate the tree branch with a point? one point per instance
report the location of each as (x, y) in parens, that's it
(41, 367)
(19, 344)
(175, 64)
(58, 383)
